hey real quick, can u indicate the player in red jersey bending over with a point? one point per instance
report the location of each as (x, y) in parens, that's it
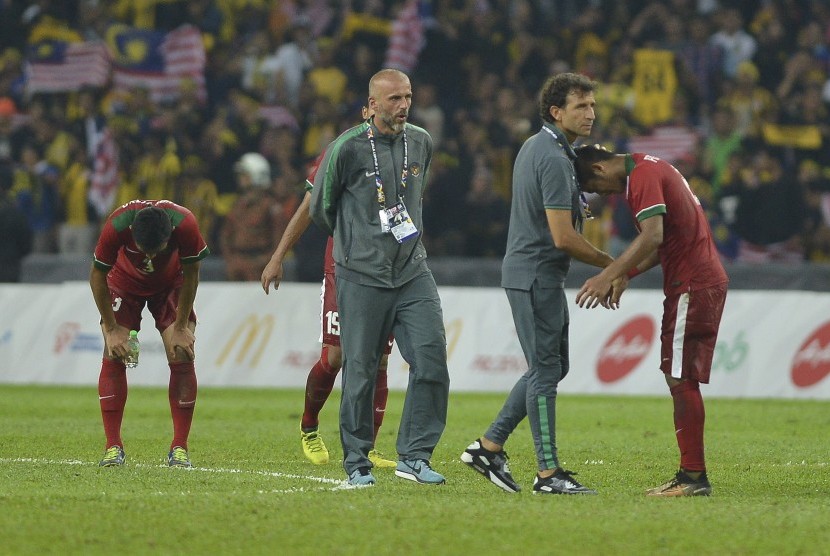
(674, 233)
(149, 253)
(323, 374)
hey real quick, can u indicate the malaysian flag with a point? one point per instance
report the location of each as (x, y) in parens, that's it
(406, 39)
(671, 143)
(54, 66)
(157, 61)
(104, 183)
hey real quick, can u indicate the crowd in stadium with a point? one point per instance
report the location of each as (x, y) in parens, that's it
(735, 94)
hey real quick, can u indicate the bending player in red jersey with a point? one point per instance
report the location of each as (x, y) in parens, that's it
(323, 374)
(674, 233)
(149, 253)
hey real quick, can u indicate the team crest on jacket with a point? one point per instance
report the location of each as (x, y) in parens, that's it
(415, 169)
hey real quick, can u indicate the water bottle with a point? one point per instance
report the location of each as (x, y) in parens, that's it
(132, 350)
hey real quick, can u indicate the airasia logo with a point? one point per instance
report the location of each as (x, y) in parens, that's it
(625, 349)
(812, 361)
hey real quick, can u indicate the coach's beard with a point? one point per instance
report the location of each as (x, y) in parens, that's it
(393, 123)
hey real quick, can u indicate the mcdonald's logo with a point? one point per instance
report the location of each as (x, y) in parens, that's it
(251, 328)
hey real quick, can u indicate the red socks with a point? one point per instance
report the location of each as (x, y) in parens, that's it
(112, 395)
(689, 418)
(319, 386)
(381, 394)
(317, 389)
(182, 395)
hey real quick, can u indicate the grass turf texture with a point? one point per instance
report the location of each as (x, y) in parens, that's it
(253, 492)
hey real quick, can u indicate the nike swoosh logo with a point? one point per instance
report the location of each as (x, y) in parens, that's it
(132, 250)
(369, 174)
(105, 397)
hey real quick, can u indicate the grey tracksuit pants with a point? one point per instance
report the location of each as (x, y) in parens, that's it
(367, 315)
(541, 319)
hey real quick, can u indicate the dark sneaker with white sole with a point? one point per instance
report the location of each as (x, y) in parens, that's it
(418, 470)
(561, 482)
(492, 465)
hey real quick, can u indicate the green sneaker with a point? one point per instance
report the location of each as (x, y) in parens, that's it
(113, 457)
(178, 458)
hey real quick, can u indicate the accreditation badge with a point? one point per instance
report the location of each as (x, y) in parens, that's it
(401, 224)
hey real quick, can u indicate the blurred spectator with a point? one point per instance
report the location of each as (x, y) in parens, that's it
(427, 113)
(286, 69)
(702, 63)
(199, 195)
(736, 44)
(770, 215)
(36, 193)
(78, 232)
(251, 229)
(328, 80)
(816, 189)
(14, 229)
(722, 141)
(485, 215)
(751, 104)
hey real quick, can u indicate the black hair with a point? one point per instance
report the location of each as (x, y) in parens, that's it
(556, 89)
(586, 157)
(151, 228)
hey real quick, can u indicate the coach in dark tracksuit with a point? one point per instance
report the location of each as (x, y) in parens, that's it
(368, 194)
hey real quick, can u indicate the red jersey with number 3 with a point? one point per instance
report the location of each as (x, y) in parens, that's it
(129, 269)
(688, 255)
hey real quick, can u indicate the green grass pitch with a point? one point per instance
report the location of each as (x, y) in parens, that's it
(252, 492)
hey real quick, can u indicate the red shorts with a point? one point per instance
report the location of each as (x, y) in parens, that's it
(329, 318)
(690, 329)
(162, 306)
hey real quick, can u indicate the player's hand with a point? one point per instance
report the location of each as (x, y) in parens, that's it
(115, 341)
(595, 291)
(618, 286)
(184, 340)
(272, 273)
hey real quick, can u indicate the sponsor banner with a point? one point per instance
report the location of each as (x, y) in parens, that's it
(771, 344)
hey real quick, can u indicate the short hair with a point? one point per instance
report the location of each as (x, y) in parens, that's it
(557, 88)
(385, 74)
(586, 157)
(151, 228)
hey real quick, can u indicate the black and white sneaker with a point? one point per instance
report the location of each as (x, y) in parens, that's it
(492, 465)
(561, 482)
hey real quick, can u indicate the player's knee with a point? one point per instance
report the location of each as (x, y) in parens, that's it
(332, 357)
(677, 386)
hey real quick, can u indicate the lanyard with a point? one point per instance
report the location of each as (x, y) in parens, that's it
(585, 206)
(404, 173)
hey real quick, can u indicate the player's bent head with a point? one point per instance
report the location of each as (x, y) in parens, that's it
(586, 157)
(151, 229)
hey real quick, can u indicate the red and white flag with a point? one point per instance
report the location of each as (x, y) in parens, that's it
(157, 61)
(104, 183)
(55, 66)
(407, 39)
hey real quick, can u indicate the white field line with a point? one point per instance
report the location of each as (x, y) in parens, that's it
(332, 484)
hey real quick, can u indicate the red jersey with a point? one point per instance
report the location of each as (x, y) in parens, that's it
(328, 260)
(129, 269)
(688, 254)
